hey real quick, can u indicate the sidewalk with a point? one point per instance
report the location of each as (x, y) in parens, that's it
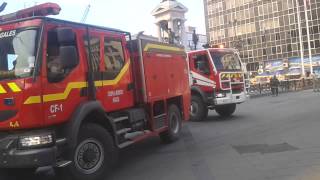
(256, 94)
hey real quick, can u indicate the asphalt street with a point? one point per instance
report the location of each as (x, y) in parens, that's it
(268, 138)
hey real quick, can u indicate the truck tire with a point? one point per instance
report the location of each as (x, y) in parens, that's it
(93, 156)
(226, 110)
(199, 110)
(175, 120)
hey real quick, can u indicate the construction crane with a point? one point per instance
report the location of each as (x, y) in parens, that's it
(3, 6)
(85, 14)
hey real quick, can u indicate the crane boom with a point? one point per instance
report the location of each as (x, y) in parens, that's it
(85, 14)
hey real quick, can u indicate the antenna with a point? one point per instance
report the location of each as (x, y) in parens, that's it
(85, 14)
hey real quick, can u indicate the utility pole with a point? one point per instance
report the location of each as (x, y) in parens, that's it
(308, 34)
(300, 39)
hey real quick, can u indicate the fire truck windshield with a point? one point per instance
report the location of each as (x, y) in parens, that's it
(226, 61)
(17, 53)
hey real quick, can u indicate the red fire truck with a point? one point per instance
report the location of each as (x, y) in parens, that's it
(218, 82)
(73, 94)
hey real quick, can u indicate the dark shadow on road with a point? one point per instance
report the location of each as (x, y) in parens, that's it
(217, 118)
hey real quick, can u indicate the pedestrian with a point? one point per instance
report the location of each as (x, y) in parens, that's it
(274, 84)
(315, 82)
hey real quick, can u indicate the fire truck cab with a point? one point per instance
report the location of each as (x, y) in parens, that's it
(217, 82)
(72, 94)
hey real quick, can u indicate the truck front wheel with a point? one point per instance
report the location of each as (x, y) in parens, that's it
(199, 110)
(226, 110)
(175, 120)
(93, 156)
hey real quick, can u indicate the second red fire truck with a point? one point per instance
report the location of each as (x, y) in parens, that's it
(72, 94)
(217, 82)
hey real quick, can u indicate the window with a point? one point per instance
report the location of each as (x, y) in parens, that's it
(279, 50)
(274, 50)
(315, 29)
(278, 36)
(264, 52)
(317, 43)
(289, 48)
(293, 33)
(95, 51)
(304, 31)
(17, 53)
(305, 45)
(57, 66)
(113, 57)
(312, 44)
(263, 38)
(201, 64)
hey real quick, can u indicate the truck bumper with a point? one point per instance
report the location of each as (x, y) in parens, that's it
(231, 99)
(13, 157)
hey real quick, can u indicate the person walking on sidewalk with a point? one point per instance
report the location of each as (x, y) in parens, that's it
(315, 82)
(274, 84)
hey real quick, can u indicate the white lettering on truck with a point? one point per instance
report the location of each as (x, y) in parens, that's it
(7, 34)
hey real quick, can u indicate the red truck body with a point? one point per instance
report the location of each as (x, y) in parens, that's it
(218, 81)
(58, 78)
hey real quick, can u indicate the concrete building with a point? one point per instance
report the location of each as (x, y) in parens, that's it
(266, 31)
(170, 21)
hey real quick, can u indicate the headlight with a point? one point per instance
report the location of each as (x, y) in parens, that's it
(221, 95)
(36, 140)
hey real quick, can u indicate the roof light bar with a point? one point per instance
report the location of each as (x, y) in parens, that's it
(45, 9)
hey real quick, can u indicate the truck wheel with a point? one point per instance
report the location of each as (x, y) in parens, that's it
(93, 156)
(226, 110)
(199, 110)
(174, 118)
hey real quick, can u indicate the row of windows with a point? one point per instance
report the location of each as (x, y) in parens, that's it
(268, 8)
(215, 7)
(280, 49)
(236, 3)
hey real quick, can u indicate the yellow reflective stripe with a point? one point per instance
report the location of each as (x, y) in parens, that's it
(161, 47)
(118, 78)
(14, 87)
(98, 83)
(33, 100)
(76, 85)
(65, 94)
(2, 90)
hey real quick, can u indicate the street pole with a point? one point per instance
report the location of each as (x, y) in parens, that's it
(300, 39)
(308, 34)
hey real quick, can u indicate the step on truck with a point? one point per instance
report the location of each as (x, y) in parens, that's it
(73, 94)
(217, 82)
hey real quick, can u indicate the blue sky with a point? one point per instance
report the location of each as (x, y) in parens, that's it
(129, 15)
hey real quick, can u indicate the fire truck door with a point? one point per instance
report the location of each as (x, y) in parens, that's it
(117, 76)
(64, 79)
(201, 68)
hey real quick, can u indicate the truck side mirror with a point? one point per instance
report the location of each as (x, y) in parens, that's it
(66, 36)
(69, 57)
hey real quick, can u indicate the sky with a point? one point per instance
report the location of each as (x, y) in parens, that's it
(128, 15)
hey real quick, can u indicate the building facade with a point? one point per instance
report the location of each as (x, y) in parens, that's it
(265, 30)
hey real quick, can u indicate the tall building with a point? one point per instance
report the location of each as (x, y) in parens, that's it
(266, 31)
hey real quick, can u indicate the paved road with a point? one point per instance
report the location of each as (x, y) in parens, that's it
(269, 138)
